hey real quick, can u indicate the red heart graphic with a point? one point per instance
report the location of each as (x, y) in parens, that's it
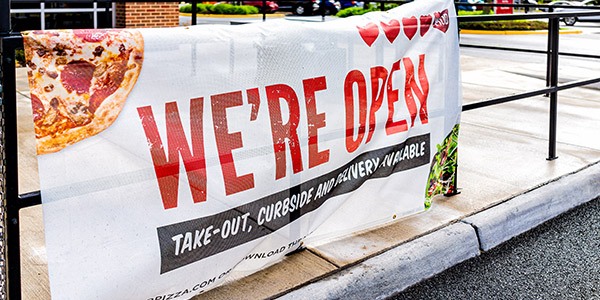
(425, 24)
(442, 20)
(391, 29)
(369, 33)
(410, 26)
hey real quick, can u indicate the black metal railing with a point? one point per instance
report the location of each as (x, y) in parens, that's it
(13, 202)
(552, 53)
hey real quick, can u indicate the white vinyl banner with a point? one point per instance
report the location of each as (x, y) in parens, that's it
(173, 160)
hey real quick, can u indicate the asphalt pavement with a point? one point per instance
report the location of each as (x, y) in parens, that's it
(557, 260)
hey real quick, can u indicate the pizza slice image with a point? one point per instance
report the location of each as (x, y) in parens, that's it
(79, 81)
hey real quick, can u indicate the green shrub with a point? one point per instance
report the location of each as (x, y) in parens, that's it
(389, 6)
(499, 25)
(228, 9)
(368, 7)
(185, 8)
(487, 25)
(220, 9)
(20, 56)
(354, 11)
(203, 8)
(505, 25)
(474, 12)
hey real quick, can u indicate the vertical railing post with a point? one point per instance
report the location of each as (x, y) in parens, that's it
(4, 17)
(194, 12)
(3, 274)
(454, 189)
(4, 32)
(553, 32)
(11, 239)
(549, 52)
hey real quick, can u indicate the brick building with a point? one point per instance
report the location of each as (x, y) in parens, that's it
(37, 15)
(148, 14)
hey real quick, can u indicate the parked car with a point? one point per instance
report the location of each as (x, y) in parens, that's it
(271, 6)
(570, 21)
(331, 6)
(468, 4)
(350, 3)
(560, 2)
(556, 4)
(309, 7)
(527, 8)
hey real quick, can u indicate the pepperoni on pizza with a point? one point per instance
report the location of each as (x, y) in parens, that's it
(79, 81)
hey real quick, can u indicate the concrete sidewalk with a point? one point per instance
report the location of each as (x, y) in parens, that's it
(507, 185)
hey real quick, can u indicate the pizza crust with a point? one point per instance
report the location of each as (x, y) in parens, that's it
(105, 114)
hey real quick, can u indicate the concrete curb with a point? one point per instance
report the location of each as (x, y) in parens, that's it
(524, 212)
(393, 271)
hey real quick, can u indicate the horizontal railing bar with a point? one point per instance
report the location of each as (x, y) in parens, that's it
(577, 83)
(579, 55)
(529, 94)
(508, 17)
(29, 199)
(504, 48)
(509, 98)
(582, 55)
(55, 10)
(521, 5)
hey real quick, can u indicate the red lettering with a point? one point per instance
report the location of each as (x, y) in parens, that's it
(226, 142)
(378, 74)
(167, 170)
(355, 77)
(392, 126)
(315, 120)
(411, 88)
(254, 100)
(282, 132)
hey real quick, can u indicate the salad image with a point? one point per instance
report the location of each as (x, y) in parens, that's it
(442, 175)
